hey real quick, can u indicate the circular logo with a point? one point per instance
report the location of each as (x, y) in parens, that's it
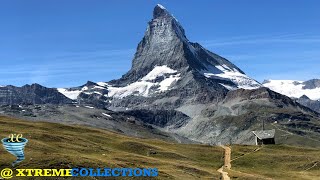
(6, 173)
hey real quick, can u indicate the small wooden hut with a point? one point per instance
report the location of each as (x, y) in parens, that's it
(264, 137)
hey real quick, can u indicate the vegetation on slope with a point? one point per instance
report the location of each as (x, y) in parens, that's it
(61, 146)
(275, 162)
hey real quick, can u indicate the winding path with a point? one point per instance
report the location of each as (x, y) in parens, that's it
(227, 163)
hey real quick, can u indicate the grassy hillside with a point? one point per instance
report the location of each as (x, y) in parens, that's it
(61, 146)
(275, 162)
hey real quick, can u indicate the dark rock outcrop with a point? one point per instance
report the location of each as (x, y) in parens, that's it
(31, 94)
(312, 104)
(311, 84)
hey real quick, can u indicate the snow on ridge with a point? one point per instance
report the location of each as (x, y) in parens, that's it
(98, 87)
(241, 80)
(102, 84)
(284, 81)
(292, 88)
(226, 73)
(158, 71)
(142, 87)
(166, 83)
(160, 6)
(108, 115)
(228, 87)
(96, 92)
(71, 94)
(90, 107)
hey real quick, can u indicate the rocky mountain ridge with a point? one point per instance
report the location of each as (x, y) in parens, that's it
(31, 94)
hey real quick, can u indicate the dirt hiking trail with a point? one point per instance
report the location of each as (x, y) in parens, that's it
(227, 163)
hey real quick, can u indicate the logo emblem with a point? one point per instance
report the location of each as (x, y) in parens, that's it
(6, 173)
(15, 144)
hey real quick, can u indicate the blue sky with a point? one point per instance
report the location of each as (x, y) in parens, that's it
(65, 43)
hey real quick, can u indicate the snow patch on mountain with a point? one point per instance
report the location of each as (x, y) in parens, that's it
(160, 6)
(103, 84)
(226, 73)
(71, 94)
(292, 88)
(105, 114)
(166, 75)
(143, 86)
(90, 107)
(98, 87)
(166, 83)
(136, 88)
(96, 92)
(158, 71)
(228, 87)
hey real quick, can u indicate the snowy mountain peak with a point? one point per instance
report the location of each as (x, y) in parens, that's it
(167, 64)
(160, 6)
(165, 44)
(165, 25)
(160, 11)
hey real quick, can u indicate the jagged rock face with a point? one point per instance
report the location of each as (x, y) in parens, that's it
(162, 44)
(261, 93)
(311, 84)
(93, 95)
(312, 104)
(276, 99)
(161, 118)
(242, 111)
(31, 94)
(165, 43)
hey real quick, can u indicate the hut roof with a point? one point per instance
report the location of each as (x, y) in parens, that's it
(266, 134)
